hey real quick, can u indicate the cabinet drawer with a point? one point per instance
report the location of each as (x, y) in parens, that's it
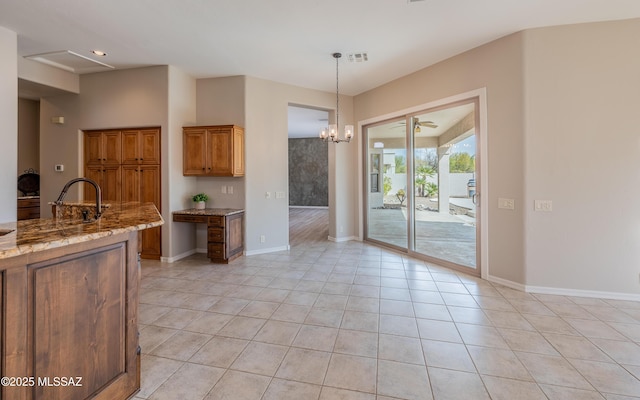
(215, 234)
(189, 218)
(216, 250)
(216, 220)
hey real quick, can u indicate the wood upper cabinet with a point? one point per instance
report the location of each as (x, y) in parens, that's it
(213, 150)
(102, 147)
(141, 147)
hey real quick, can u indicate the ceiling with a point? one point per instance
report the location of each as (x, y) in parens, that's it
(288, 41)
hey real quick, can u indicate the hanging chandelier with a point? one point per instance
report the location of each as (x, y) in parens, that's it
(331, 133)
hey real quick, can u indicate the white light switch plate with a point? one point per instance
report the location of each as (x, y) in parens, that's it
(543, 205)
(507, 204)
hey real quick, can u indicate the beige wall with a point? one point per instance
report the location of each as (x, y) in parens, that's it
(561, 127)
(178, 238)
(267, 157)
(583, 146)
(221, 101)
(28, 135)
(498, 67)
(9, 118)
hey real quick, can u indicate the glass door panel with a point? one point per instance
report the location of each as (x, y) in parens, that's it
(444, 152)
(386, 183)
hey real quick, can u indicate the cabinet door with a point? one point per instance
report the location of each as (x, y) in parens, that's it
(93, 172)
(149, 176)
(111, 147)
(220, 152)
(141, 146)
(194, 152)
(93, 147)
(111, 181)
(130, 147)
(80, 324)
(107, 177)
(102, 147)
(130, 183)
(238, 151)
(149, 140)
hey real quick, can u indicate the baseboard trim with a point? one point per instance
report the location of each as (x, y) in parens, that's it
(565, 291)
(342, 239)
(178, 257)
(311, 207)
(265, 251)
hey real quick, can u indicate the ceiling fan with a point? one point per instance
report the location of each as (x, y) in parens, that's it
(427, 124)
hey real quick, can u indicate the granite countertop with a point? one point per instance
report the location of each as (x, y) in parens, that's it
(30, 236)
(221, 212)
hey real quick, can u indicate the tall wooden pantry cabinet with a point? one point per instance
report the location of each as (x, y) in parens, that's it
(126, 165)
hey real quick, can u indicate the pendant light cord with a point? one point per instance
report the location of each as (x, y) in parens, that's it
(337, 57)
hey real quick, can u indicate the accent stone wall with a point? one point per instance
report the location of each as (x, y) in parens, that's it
(308, 172)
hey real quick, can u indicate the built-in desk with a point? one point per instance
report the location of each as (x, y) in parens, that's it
(225, 240)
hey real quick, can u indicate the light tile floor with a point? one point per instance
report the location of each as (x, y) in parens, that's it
(353, 321)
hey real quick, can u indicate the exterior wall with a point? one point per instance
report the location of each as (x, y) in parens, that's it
(308, 172)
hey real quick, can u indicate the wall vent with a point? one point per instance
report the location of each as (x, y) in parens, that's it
(358, 57)
(70, 61)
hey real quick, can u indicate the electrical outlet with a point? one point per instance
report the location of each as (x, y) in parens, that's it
(230, 189)
(224, 190)
(507, 204)
(267, 195)
(280, 195)
(262, 239)
(543, 205)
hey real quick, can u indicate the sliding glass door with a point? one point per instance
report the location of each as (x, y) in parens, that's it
(387, 184)
(422, 184)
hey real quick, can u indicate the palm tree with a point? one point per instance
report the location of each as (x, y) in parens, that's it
(422, 173)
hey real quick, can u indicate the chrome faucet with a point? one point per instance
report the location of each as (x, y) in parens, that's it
(90, 181)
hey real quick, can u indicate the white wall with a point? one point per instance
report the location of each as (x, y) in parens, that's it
(9, 118)
(583, 147)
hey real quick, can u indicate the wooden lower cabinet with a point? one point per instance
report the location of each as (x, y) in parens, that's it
(28, 208)
(71, 321)
(224, 237)
(225, 240)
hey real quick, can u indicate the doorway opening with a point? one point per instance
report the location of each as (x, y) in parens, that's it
(308, 175)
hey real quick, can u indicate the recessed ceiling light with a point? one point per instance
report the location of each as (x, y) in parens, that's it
(99, 53)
